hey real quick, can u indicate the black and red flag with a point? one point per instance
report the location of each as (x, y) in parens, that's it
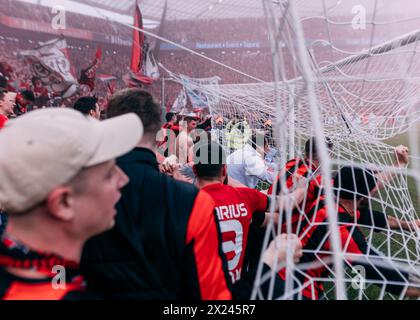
(136, 77)
(143, 68)
(138, 41)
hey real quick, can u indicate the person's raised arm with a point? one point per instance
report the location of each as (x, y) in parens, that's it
(401, 161)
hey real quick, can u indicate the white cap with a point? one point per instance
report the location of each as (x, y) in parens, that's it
(46, 148)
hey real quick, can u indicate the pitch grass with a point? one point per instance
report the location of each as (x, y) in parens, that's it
(373, 292)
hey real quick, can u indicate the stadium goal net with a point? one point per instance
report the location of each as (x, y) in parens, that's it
(347, 71)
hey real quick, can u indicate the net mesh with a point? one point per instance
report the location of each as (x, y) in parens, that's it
(361, 98)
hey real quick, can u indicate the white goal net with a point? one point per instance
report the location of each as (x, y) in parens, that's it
(346, 70)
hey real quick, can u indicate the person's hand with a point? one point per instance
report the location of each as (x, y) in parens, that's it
(169, 165)
(300, 182)
(401, 155)
(219, 120)
(412, 225)
(278, 249)
(268, 123)
(395, 223)
(413, 291)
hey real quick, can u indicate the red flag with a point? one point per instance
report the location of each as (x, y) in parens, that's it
(98, 55)
(136, 77)
(138, 41)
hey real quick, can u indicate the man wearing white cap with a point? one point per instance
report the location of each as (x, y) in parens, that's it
(59, 184)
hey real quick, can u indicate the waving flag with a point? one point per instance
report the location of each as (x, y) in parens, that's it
(138, 41)
(150, 67)
(180, 102)
(201, 99)
(50, 62)
(143, 65)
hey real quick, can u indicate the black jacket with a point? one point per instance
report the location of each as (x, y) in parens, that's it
(163, 245)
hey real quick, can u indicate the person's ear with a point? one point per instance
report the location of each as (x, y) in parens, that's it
(362, 203)
(60, 203)
(195, 170)
(224, 170)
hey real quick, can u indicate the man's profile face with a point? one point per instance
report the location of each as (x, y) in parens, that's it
(97, 112)
(94, 204)
(191, 123)
(8, 103)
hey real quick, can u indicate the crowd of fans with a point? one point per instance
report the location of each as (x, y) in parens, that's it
(116, 60)
(189, 217)
(216, 30)
(180, 31)
(135, 207)
(256, 64)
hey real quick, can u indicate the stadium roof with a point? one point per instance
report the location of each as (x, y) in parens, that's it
(120, 6)
(221, 9)
(184, 9)
(122, 10)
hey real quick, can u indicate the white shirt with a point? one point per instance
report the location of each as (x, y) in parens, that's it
(247, 166)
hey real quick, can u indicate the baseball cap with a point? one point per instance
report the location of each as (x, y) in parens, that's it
(354, 182)
(46, 148)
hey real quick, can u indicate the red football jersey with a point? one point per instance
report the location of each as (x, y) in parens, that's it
(235, 208)
(293, 169)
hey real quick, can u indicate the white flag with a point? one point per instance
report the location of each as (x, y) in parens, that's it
(202, 92)
(150, 66)
(180, 102)
(50, 63)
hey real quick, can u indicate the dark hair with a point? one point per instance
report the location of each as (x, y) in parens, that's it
(139, 102)
(34, 79)
(3, 92)
(353, 182)
(209, 159)
(311, 149)
(85, 104)
(169, 116)
(28, 95)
